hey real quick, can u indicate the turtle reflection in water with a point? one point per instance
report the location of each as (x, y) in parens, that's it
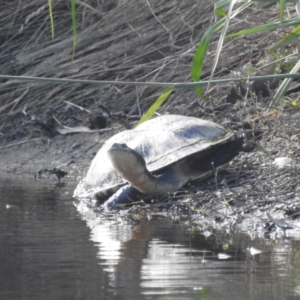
(155, 158)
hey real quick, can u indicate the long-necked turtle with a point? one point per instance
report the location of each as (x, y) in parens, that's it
(157, 157)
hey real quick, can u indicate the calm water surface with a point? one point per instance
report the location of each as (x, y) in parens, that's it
(51, 248)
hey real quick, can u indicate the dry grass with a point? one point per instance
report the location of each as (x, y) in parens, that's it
(125, 40)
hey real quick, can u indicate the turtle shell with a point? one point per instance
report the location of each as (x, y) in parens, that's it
(162, 141)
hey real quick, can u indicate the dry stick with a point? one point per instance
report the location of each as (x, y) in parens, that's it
(20, 143)
(98, 12)
(72, 130)
(138, 100)
(77, 106)
(134, 30)
(167, 30)
(14, 103)
(160, 68)
(18, 99)
(151, 84)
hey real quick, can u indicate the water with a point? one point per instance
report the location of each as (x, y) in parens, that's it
(51, 249)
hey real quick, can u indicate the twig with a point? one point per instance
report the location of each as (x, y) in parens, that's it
(77, 106)
(20, 143)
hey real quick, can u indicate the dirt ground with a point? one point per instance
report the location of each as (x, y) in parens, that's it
(150, 41)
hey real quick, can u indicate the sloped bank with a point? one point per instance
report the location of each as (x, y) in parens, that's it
(126, 41)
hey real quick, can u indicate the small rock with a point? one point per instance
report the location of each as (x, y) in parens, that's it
(282, 162)
(253, 251)
(223, 256)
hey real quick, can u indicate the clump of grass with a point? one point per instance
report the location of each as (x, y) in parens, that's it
(222, 26)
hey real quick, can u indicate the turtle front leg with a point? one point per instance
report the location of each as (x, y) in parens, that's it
(125, 195)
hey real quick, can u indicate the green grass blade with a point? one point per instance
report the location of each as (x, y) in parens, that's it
(282, 6)
(155, 106)
(292, 1)
(73, 15)
(265, 28)
(201, 51)
(221, 39)
(220, 12)
(218, 7)
(51, 18)
(224, 3)
(288, 39)
(285, 84)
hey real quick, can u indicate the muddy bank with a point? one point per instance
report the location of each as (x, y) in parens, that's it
(154, 41)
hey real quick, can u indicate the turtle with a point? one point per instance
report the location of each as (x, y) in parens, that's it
(155, 158)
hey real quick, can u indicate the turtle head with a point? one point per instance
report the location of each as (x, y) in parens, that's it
(127, 162)
(132, 167)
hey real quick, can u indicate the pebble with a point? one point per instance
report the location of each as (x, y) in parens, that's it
(282, 162)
